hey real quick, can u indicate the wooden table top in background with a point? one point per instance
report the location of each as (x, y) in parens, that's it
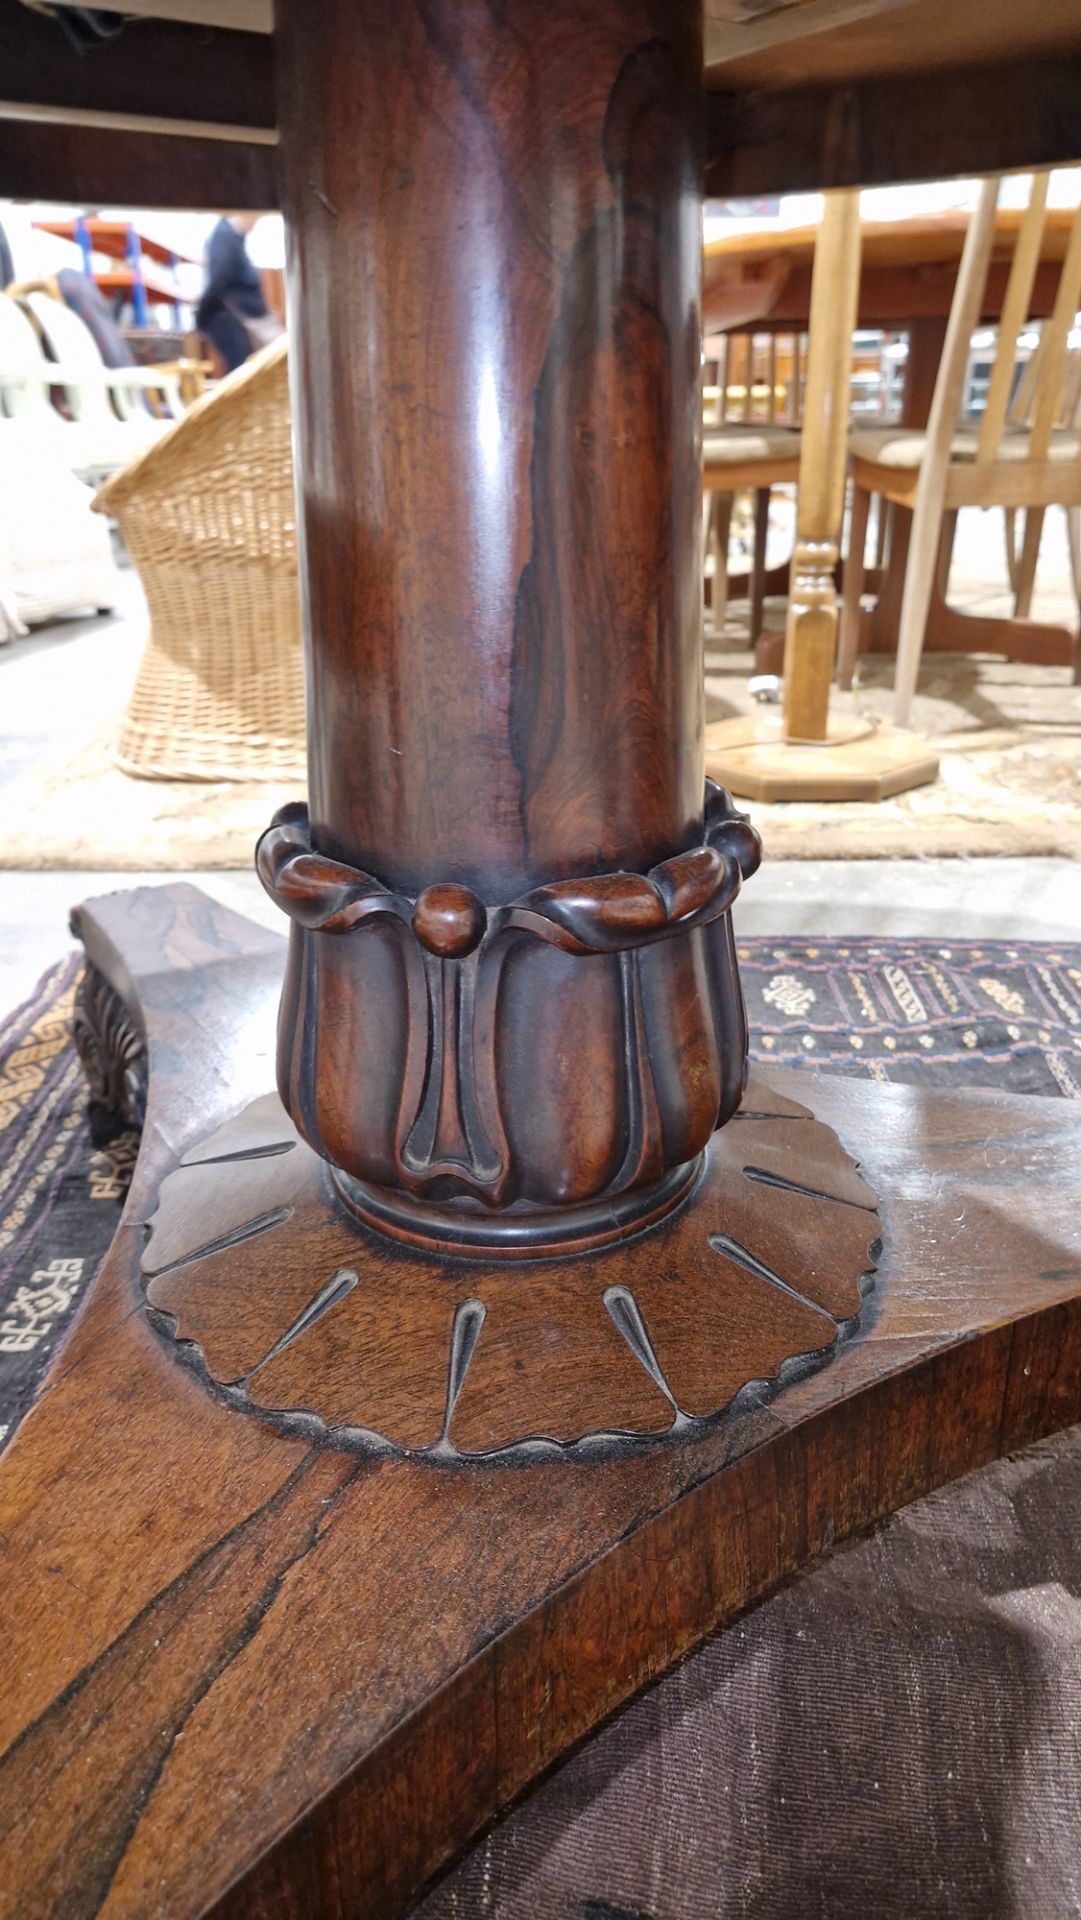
(907, 269)
(919, 239)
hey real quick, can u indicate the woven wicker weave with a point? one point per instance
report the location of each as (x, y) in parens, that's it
(208, 516)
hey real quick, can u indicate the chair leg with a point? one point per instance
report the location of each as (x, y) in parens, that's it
(758, 564)
(855, 560)
(1073, 542)
(720, 525)
(882, 520)
(920, 575)
(945, 552)
(707, 523)
(1010, 532)
(1026, 566)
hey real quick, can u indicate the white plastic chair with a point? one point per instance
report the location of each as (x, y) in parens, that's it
(105, 401)
(26, 380)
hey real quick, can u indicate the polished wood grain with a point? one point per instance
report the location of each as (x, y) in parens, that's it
(541, 1072)
(500, 492)
(250, 1669)
(512, 1011)
(290, 1310)
(256, 1673)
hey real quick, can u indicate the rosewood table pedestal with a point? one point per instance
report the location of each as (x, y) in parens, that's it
(263, 1667)
(479, 1341)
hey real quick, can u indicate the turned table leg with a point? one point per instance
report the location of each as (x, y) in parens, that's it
(811, 634)
(512, 1020)
(512, 1014)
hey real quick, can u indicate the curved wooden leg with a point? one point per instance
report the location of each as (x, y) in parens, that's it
(1028, 562)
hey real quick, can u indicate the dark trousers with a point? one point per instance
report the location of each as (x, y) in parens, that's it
(230, 338)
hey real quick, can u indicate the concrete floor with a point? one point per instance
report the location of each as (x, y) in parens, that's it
(61, 682)
(64, 680)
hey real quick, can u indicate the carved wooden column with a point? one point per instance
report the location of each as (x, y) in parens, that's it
(511, 1020)
(512, 1014)
(318, 1546)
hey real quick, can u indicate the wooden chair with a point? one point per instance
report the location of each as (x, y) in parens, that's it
(209, 518)
(1024, 529)
(746, 455)
(806, 753)
(999, 462)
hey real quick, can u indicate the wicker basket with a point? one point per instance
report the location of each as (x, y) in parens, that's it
(208, 516)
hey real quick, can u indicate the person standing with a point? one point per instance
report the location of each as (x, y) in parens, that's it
(232, 312)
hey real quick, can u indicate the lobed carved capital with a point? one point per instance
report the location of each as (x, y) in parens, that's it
(542, 1060)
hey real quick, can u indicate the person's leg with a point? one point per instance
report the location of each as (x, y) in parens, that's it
(226, 333)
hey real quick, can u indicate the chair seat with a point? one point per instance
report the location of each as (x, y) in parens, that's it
(901, 447)
(735, 445)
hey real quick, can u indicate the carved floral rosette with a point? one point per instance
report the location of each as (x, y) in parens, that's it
(559, 1053)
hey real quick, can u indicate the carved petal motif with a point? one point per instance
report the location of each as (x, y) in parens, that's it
(449, 1032)
(292, 1311)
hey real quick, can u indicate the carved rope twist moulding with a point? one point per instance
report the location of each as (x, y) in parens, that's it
(607, 913)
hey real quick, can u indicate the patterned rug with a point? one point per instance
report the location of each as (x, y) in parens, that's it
(992, 1015)
(64, 1172)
